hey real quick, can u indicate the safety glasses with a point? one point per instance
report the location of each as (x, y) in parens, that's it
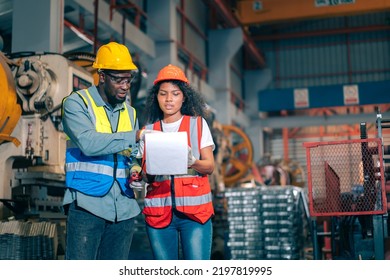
(120, 80)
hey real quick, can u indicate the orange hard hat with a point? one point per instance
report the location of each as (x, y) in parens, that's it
(171, 72)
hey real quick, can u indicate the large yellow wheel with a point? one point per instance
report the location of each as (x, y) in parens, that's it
(238, 157)
(10, 110)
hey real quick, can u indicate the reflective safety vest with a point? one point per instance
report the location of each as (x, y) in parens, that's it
(189, 194)
(95, 175)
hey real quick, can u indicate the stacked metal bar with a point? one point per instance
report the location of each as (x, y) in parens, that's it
(265, 223)
(21, 240)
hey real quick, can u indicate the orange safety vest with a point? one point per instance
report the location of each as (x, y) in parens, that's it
(189, 194)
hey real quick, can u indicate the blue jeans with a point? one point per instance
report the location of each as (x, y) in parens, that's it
(195, 239)
(89, 237)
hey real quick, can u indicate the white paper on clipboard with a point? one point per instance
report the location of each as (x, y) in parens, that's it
(166, 153)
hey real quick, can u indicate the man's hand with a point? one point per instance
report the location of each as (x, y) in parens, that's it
(135, 179)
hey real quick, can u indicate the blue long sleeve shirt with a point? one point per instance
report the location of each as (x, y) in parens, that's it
(78, 126)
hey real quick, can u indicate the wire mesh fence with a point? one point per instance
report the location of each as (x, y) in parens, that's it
(346, 177)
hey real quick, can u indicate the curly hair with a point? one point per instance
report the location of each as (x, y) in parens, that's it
(194, 104)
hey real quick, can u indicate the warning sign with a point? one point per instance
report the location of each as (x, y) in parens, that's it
(301, 98)
(351, 95)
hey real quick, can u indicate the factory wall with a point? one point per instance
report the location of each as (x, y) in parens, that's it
(327, 59)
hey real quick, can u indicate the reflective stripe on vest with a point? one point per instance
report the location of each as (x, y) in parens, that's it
(180, 201)
(158, 201)
(95, 168)
(192, 191)
(95, 175)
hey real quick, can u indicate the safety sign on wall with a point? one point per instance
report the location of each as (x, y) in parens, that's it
(301, 98)
(351, 94)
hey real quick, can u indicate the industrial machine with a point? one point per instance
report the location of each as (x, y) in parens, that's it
(32, 143)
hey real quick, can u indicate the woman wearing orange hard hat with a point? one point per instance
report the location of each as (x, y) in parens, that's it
(178, 208)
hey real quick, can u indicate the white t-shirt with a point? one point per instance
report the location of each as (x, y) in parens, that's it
(205, 141)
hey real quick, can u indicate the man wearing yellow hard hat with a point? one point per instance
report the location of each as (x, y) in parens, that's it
(101, 129)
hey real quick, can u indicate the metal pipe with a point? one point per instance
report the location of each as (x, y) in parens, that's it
(95, 26)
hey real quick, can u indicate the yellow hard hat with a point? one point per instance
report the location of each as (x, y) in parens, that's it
(114, 56)
(171, 72)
